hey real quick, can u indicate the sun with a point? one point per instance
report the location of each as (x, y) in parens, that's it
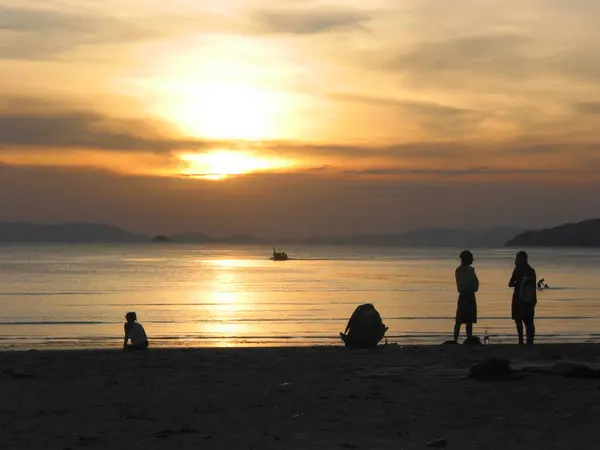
(220, 164)
(224, 110)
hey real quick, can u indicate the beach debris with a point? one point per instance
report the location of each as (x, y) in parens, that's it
(17, 375)
(438, 443)
(284, 387)
(565, 369)
(575, 370)
(298, 415)
(473, 340)
(83, 440)
(168, 432)
(494, 369)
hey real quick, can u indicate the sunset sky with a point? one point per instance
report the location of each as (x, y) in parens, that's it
(299, 117)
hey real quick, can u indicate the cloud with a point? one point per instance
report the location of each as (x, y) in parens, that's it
(81, 129)
(48, 34)
(45, 34)
(468, 171)
(308, 21)
(433, 118)
(588, 108)
(402, 152)
(540, 149)
(27, 122)
(36, 20)
(511, 49)
(447, 61)
(30, 127)
(421, 107)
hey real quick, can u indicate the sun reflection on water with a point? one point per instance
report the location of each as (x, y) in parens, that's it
(224, 305)
(231, 263)
(225, 302)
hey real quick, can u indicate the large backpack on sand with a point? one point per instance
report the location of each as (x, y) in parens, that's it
(365, 328)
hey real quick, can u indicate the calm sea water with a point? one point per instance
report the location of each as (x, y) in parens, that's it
(54, 296)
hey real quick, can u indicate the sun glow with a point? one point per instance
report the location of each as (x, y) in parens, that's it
(225, 110)
(220, 164)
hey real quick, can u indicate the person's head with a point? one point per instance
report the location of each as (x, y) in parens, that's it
(521, 259)
(466, 258)
(131, 317)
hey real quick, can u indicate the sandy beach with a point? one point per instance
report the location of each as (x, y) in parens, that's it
(296, 398)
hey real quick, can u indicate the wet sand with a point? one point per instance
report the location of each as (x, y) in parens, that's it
(295, 398)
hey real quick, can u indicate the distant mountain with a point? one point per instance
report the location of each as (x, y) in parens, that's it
(75, 232)
(437, 237)
(80, 232)
(581, 234)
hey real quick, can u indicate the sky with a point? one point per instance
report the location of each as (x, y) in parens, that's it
(300, 117)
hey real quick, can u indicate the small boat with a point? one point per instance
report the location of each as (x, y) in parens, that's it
(279, 256)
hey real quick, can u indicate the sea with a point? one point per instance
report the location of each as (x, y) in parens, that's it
(76, 296)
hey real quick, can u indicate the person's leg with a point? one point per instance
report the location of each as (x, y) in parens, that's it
(142, 346)
(530, 329)
(456, 331)
(519, 323)
(469, 330)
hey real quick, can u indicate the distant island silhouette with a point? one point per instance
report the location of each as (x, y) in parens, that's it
(438, 237)
(74, 232)
(82, 232)
(580, 234)
(161, 238)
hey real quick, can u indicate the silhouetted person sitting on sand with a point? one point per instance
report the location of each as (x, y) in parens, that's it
(541, 284)
(134, 331)
(467, 284)
(365, 328)
(524, 297)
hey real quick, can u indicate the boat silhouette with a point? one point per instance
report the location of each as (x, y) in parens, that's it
(279, 256)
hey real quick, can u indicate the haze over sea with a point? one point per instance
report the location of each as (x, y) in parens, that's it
(75, 296)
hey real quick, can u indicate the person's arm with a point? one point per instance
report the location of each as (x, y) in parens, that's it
(457, 277)
(475, 282)
(513, 279)
(126, 336)
(352, 319)
(349, 325)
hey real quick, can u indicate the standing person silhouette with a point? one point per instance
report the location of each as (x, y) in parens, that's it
(524, 298)
(467, 284)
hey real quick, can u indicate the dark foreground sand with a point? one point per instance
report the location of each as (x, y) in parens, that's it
(294, 398)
